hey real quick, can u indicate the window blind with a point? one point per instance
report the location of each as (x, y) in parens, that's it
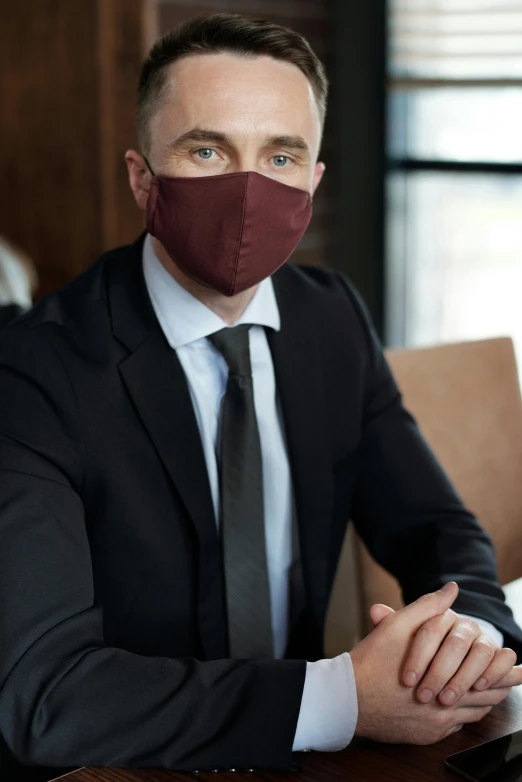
(455, 39)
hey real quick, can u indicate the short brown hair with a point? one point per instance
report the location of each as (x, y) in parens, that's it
(211, 34)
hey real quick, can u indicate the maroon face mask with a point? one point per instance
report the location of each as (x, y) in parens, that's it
(229, 231)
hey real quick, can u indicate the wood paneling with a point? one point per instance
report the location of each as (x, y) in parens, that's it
(68, 78)
(359, 48)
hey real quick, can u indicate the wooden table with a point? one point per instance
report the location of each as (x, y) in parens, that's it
(363, 761)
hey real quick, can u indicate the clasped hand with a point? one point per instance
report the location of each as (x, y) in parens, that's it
(425, 671)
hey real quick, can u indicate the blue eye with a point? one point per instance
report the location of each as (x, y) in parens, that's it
(280, 160)
(205, 153)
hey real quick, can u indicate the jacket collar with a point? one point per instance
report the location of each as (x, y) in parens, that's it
(185, 319)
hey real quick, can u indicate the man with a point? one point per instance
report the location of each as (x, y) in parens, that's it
(185, 431)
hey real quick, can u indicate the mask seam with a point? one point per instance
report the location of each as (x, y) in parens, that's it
(240, 235)
(151, 206)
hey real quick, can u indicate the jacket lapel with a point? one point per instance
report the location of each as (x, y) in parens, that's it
(156, 383)
(295, 353)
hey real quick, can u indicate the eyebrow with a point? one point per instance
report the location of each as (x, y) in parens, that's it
(289, 142)
(201, 136)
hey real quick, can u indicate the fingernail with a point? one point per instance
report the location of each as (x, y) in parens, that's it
(410, 678)
(448, 587)
(449, 696)
(425, 695)
(481, 683)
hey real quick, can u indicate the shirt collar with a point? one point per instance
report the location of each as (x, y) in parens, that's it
(184, 318)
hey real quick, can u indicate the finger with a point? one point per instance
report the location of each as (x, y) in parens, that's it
(511, 679)
(432, 604)
(500, 666)
(466, 714)
(449, 658)
(378, 612)
(454, 729)
(479, 657)
(425, 645)
(491, 697)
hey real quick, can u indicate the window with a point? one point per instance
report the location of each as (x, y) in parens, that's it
(454, 226)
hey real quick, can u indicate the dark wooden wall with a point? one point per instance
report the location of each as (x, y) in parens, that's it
(312, 18)
(359, 137)
(68, 75)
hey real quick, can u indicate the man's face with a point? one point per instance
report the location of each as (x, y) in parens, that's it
(224, 113)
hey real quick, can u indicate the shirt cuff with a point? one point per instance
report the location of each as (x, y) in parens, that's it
(328, 714)
(488, 628)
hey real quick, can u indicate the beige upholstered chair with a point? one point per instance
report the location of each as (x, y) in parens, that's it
(466, 399)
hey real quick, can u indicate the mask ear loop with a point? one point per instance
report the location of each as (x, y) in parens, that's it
(148, 165)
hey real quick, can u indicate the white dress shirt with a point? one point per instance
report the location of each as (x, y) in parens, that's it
(328, 713)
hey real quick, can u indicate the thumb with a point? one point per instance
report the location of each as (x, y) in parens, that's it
(378, 612)
(429, 605)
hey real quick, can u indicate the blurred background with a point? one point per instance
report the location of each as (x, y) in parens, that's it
(422, 202)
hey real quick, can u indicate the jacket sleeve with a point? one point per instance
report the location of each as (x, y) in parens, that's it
(65, 698)
(406, 510)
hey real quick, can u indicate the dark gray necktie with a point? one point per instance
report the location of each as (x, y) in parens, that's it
(242, 509)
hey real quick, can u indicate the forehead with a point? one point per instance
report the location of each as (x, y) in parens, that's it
(232, 93)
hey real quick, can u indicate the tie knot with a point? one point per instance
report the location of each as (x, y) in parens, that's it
(233, 345)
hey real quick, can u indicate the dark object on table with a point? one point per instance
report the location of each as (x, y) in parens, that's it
(499, 760)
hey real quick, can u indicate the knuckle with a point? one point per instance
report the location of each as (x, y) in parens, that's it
(428, 630)
(470, 626)
(510, 656)
(484, 646)
(458, 642)
(435, 680)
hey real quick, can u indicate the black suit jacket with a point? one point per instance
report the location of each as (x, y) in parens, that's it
(112, 611)
(9, 312)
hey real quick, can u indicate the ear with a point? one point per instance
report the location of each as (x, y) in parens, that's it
(139, 177)
(378, 612)
(318, 175)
